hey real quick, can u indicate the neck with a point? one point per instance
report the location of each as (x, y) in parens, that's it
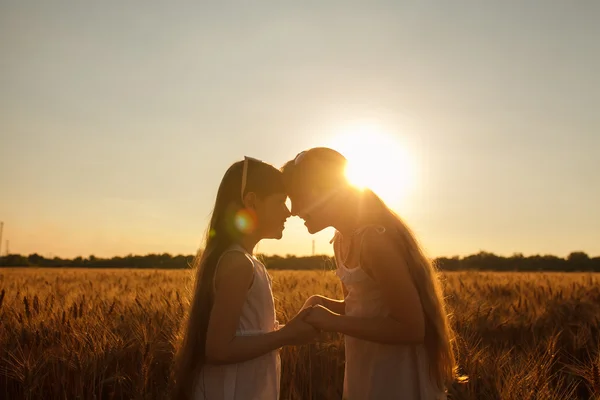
(249, 242)
(359, 211)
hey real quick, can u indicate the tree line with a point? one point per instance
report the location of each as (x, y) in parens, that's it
(483, 261)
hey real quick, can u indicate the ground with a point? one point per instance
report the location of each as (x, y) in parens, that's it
(72, 332)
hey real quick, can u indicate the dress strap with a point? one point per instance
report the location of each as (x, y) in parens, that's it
(334, 238)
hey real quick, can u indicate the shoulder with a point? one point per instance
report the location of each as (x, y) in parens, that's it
(234, 264)
(375, 237)
(235, 258)
(378, 243)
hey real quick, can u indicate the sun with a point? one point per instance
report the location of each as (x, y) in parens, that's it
(376, 160)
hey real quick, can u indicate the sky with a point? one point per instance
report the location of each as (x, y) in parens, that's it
(118, 119)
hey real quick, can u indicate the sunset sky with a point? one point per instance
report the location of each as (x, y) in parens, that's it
(119, 118)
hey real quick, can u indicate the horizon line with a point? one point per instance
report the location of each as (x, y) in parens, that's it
(289, 255)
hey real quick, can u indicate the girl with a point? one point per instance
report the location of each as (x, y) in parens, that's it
(231, 337)
(397, 335)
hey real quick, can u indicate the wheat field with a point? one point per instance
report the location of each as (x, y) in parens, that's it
(110, 334)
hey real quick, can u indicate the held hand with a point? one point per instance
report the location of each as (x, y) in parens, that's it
(312, 301)
(321, 318)
(299, 331)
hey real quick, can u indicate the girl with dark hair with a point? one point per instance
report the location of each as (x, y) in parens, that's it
(230, 335)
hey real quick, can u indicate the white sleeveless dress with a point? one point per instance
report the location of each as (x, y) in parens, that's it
(375, 370)
(258, 378)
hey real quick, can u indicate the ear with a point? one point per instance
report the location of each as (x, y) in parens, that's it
(250, 200)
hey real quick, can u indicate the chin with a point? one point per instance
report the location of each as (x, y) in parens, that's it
(313, 229)
(276, 235)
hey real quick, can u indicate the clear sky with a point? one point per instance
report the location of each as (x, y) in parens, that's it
(118, 118)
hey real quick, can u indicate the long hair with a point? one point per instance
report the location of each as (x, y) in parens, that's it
(439, 336)
(324, 167)
(262, 179)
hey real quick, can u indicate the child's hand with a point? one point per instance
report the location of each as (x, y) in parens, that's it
(312, 301)
(298, 331)
(321, 318)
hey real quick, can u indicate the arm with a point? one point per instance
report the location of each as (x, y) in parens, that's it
(234, 276)
(406, 321)
(337, 306)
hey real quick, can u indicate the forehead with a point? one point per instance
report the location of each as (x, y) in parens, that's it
(297, 182)
(296, 190)
(276, 196)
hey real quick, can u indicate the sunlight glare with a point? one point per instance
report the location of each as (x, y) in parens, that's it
(376, 160)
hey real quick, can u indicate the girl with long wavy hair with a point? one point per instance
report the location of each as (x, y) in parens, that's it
(398, 341)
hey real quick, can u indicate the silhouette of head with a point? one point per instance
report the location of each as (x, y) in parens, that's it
(315, 182)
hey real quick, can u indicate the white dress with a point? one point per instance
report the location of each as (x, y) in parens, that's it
(258, 378)
(375, 370)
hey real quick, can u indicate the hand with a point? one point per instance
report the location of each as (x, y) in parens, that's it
(321, 318)
(312, 301)
(298, 331)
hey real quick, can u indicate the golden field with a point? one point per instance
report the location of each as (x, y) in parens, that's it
(110, 334)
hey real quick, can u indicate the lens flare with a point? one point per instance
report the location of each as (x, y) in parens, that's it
(245, 221)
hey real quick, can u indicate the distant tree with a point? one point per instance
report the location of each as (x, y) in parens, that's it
(579, 261)
(35, 259)
(14, 260)
(448, 264)
(576, 261)
(578, 256)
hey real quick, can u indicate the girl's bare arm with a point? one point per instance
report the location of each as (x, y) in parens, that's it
(234, 277)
